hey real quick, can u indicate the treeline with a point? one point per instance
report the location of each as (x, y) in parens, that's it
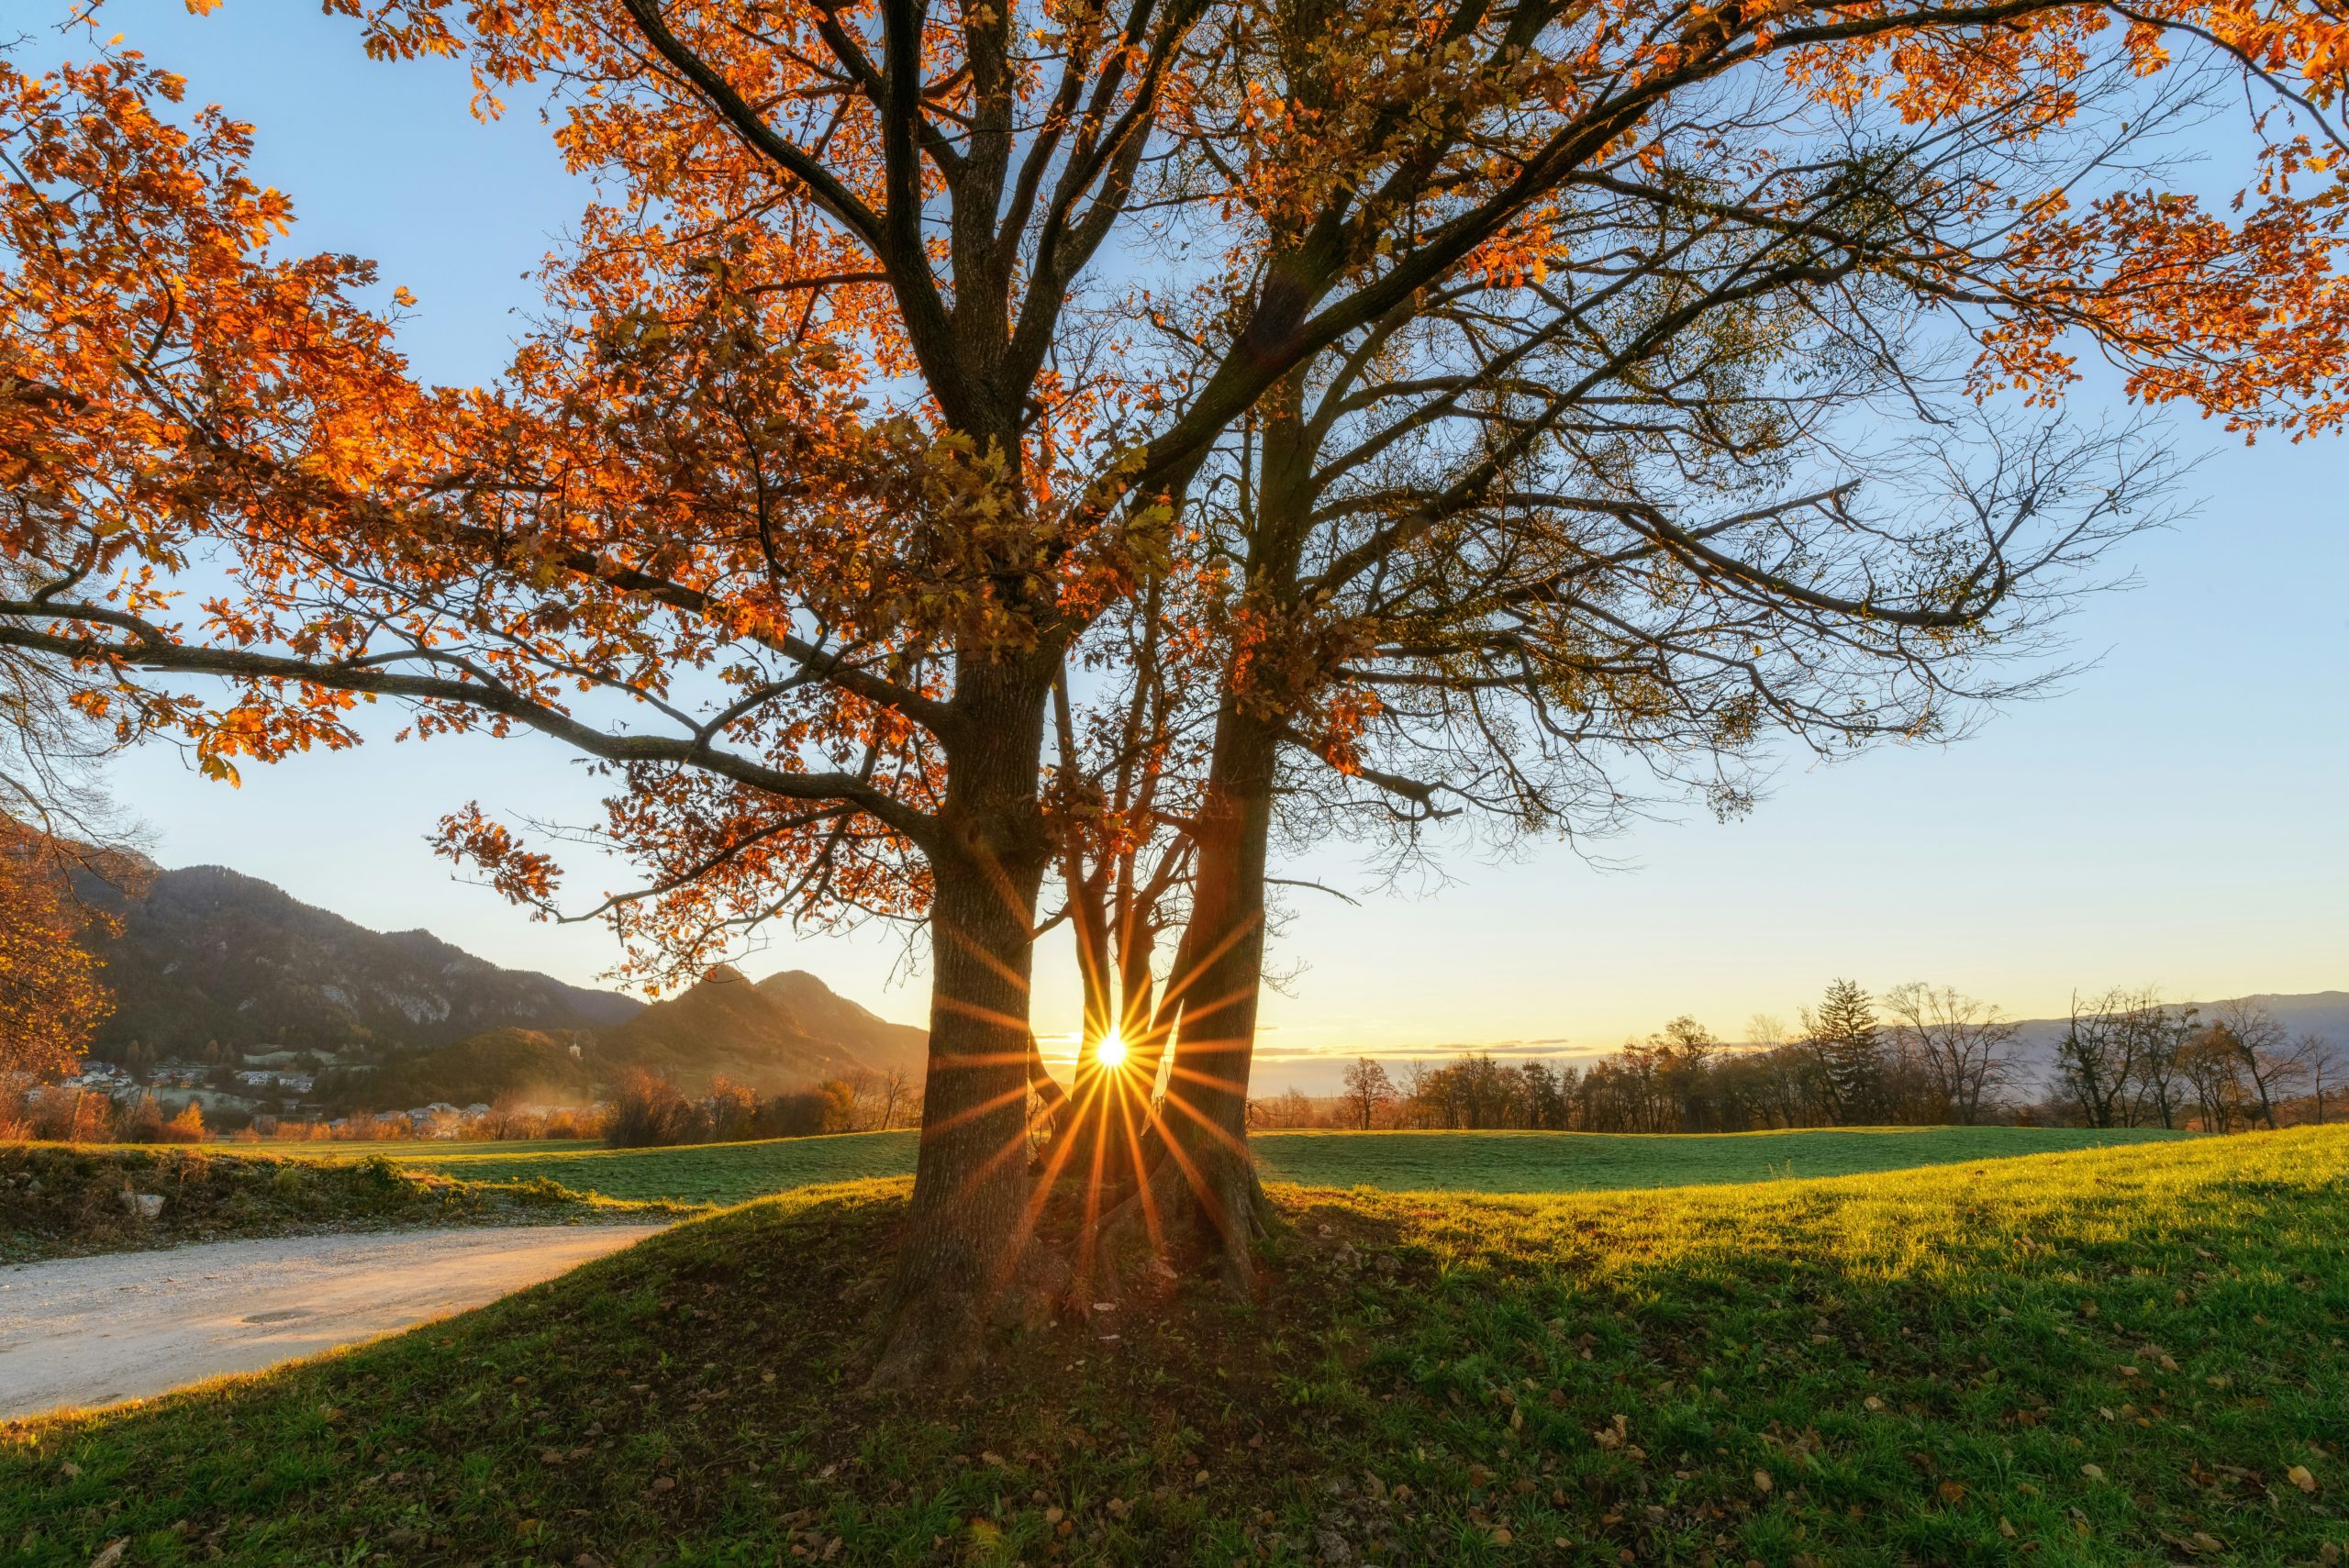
(2129, 1060)
(66, 1115)
(649, 1110)
(1918, 1055)
(79, 1116)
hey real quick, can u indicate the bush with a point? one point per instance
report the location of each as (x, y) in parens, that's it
(648, 1111)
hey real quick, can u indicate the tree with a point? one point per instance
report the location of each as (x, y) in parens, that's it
(2323, 1059)
(2272, 1061)
(2160, 1072)
(814, 640)
(1841, 1038)
(1369, 1091)
(1960, 1044)
(53, 993)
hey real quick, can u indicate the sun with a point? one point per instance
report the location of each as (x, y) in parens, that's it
(1111, 1052)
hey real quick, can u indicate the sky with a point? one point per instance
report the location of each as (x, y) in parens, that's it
(2175, 815)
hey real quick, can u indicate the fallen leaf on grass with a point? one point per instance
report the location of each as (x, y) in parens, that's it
(111, 1553)
(2298, 1476)
(2093, 1471)
(1761, 1482)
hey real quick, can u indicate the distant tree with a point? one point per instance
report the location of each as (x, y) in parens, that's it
(187, 1127)
(1546, 1091)
(839, 1105)
(2160, 1075)
(894, 1092)
(2213, 1069)
(1415, 1092)
(1290, 1107)
(2101, 1058)
(1684, 1056)
(1842, 1035)
(2323, 1059)
(648, 1111)
(1369, 1091)
(732, 1109)
(1957, 1043)
(2272, 1060)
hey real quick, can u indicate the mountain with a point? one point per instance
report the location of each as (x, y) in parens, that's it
(725, 1024)
(822, 1012)
(211, 966)
(788, 1031)
(208, 955)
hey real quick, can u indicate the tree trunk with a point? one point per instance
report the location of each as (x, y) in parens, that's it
(967, 1225)
(1211, 1178)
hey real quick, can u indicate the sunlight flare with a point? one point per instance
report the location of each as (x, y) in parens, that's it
(1111, 1052)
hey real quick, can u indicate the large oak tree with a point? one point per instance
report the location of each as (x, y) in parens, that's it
(848, 422)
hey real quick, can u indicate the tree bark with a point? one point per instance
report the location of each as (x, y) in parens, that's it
(1209, 1177)
(966, 1228)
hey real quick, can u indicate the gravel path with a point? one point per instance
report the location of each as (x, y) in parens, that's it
(90, 1332)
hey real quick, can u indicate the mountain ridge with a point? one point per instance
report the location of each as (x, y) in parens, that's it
(211, 966)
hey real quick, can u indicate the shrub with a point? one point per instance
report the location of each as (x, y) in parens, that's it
(647, 1111)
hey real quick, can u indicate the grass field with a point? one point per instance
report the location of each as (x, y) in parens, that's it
(1395, 1162)
(1580, 1162)
(2125, 1356)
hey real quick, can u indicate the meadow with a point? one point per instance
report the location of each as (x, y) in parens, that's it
(725, 1174)
(2118, 1356)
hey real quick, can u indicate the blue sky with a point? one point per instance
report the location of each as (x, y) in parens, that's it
(2175, 815)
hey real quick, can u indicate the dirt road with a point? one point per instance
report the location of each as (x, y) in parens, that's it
(91, 1331)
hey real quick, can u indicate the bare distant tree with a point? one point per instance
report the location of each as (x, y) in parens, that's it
(2101, 1059)
(893, 1092)
(2323, 1059)
(1766, 1030)
(2270, 1058)
(1957, 1043)
(1369, 1091)
(2161, 1074)
(1415, 1092)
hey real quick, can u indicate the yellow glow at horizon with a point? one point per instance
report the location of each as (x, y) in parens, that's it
(1111, 1052)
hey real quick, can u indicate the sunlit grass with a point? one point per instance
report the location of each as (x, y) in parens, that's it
(1462, 1161)
(2124, 1356)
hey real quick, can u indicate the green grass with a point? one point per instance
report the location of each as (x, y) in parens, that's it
(2125, 1356)
(62, 1199)
(720, 1173)
(726, 1173)
(1584, 1161)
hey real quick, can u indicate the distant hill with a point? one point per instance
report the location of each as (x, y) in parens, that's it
(880, 1044)
(725, 1024)
(210, 955)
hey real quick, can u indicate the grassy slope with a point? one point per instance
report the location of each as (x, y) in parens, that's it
(2124, 1356)
(1397, 1161)
(58, 1199)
